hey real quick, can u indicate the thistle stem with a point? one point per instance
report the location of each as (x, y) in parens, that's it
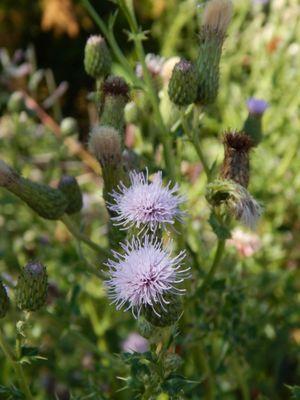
(201, 358)
(81, 236)
(218, 256)
(8, 352)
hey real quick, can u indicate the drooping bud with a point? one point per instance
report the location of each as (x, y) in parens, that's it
(116, 94)
(253, 124)
(216, 17)
(31, 291)
(47, 202)
(97, 58)
(166, 314)
(172, 362)
(183, 83)
(4, 301)
(236, 199)
(70, 188)
(236, 166)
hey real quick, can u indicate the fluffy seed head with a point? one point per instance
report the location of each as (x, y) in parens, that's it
(143, 275)
(217, 15)
(146, 205)
(236, 199)
(105, 145)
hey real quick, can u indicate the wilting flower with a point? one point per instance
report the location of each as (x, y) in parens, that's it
(135, 343)
(246, 243)
(143, 275)
(146, 205)
(257, 106)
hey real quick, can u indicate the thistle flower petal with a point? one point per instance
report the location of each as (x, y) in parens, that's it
(144, 274)
(146, 205)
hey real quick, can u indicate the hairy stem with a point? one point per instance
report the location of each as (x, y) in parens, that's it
(10, 355)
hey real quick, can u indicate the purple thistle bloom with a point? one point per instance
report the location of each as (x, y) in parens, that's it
(146, 205)
(135, 343)
(257, 106)
(143, 274)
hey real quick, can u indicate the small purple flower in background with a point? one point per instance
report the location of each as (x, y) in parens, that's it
(135, 343)
(154, 64)
(257, 106)
(144, 274)
(146, 205)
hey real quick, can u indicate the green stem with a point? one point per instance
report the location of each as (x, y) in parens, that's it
(240, 379)
(81, 236)
(218, 256)
(190, 134)
(8, 352)
(112, 42)
(150, 91)
(201, 358)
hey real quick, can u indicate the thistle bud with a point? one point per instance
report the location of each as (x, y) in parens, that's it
(97, 58)
(172, 362)
(70, 188)
(183, 83)
(4, 301)
(253, 124)
(116, 94)
(145, 328)
(216, 17)
(47, 202)
(164, 314)
(105, 145)
(236, 199)
(31, 291)
(236, 159)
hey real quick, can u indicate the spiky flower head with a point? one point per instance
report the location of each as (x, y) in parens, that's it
(70, 188)
(46, 201)
(257, 106)
(236, 158)
(32, 287)
(97, 59)
(146, 205)
(143, 275)
(4, 301)
(105, 145)
(216, 17)
(236, 199)
(183, 84)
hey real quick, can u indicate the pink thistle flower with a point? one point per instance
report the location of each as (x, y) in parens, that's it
(143, 274)
(247, 244)
(135, 343)
(146, 205)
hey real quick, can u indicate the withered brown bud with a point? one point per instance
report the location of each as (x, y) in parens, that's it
(236, 166)
(115, 86)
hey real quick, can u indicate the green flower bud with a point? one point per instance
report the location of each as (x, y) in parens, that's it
(68, 126)
(4, 301)
(145, 328)
(216, 17)
(172, 362)
(183, 84)
(31, 291)
(16, 102)
(168, 314)
(97, 59)
(131, 112)
(236, 166)
(115, 94)
(70, 188)
(47, 202)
